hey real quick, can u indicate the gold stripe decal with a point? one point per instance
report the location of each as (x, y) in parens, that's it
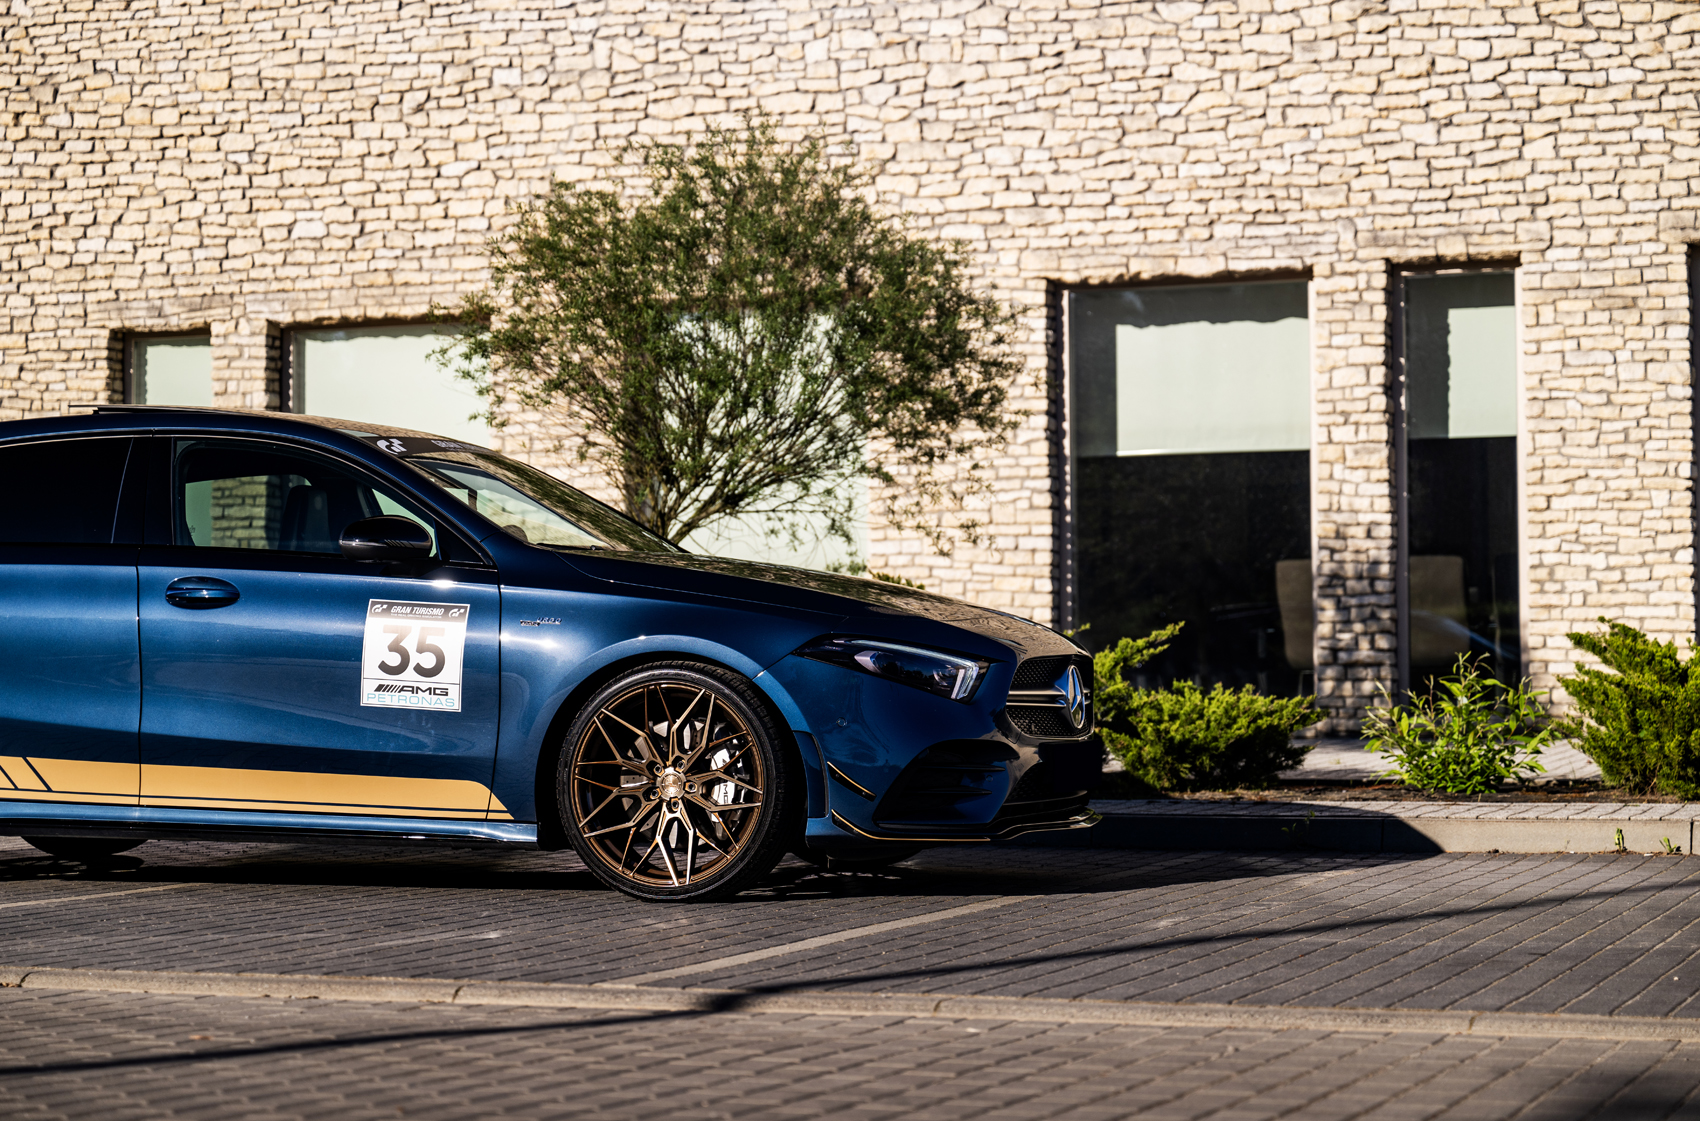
(229, 788)
(68, 780)
(23, 775)
(312, 792)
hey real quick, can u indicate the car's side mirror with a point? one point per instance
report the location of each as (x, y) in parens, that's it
(386, 537)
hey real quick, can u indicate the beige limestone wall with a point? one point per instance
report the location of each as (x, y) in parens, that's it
(247, 166)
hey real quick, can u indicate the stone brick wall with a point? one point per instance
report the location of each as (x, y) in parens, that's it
(256, 165)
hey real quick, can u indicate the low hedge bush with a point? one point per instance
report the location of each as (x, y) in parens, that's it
(1185, 737)
(1641, 721)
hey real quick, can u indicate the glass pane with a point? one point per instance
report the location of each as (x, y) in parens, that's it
(1460, 349)
(1191, 430)
(239, 495)
(564, 516)
(171, 371)
(383, 375)
(61, 492)
(515, 512)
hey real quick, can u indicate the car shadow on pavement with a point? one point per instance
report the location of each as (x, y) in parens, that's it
(1011, 871)
(311, 866)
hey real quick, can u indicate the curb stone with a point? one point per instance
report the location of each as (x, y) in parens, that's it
(905, 1005)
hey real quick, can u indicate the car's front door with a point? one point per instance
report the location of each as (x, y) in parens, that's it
(278, 675)
(70, 692)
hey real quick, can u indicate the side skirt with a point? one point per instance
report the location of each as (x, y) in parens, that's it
(46, 819)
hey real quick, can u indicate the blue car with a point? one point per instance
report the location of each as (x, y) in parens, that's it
(267, 626)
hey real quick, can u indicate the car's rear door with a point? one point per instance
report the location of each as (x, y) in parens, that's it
(279, 676)
(70, 690)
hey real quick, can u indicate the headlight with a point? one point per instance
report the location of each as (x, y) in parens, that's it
(948, 675)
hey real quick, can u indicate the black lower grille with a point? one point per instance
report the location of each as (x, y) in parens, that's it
(1036, 721)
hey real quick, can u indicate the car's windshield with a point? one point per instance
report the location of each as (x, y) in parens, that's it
(535, 507)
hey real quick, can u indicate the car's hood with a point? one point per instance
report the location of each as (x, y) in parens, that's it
(830, 593)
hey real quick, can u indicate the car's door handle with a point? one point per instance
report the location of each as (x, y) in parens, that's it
(201, 591)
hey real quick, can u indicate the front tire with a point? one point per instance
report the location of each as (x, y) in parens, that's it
(674, 784)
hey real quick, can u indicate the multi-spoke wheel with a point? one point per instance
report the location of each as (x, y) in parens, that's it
(673, 786)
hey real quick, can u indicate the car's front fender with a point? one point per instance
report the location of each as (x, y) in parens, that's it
(557, 647)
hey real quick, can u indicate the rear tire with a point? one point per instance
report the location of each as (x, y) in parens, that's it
(82, 849)
(674, 784)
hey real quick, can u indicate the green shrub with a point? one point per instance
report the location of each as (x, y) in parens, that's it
(1641, 723)
(1467, 735)
(1185, 737)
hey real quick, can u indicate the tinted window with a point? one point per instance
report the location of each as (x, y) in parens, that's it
(536, 507)
(1191, 439)
(61, 492)
(233, 494)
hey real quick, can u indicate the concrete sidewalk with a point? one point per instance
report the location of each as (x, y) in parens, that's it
(1414, 827)
(1345, 760)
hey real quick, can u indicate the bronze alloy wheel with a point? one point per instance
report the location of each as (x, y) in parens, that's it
(672, 785)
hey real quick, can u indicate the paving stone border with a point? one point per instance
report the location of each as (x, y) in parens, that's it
(412, 990)
(1389, 826)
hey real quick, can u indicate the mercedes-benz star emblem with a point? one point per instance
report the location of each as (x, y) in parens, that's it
(1074, 695)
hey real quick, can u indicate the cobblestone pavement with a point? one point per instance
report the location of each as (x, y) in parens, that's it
(1603, 935)
(122, 1056)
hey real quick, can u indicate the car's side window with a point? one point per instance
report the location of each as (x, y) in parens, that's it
(240, 494)
(61, 492)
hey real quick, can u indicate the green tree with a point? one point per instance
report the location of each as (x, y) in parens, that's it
(744, 332)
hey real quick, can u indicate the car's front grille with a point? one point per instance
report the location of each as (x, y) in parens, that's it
(1040, 704)
(1039, 673)
(1041, 722)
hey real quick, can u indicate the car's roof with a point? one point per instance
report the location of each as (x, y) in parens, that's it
(171, 416)
(348, 427)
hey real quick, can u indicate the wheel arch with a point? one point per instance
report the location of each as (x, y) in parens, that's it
(781, 709)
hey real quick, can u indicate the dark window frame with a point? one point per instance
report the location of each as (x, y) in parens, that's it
(1066, 520)
(1398, 409)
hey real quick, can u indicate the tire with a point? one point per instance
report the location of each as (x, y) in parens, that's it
(82, 849)
(674, 784)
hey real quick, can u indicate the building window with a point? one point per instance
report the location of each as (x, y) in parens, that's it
(1190, 425)
(381, 375)
(1459, 566)
(168, 370)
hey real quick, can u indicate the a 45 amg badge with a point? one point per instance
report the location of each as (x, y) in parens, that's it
(1075, 697)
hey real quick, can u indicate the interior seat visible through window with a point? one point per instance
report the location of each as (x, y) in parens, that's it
(249, 495)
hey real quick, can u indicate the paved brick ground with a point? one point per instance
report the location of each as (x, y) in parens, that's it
(1583, 933)
(121, 1056)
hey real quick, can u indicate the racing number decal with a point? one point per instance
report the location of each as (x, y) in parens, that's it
(412, 654)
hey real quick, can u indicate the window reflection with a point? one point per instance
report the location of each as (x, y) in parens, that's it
(1191, 434)
(1460, 367)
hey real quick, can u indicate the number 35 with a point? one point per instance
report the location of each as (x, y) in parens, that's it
(424, 648)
